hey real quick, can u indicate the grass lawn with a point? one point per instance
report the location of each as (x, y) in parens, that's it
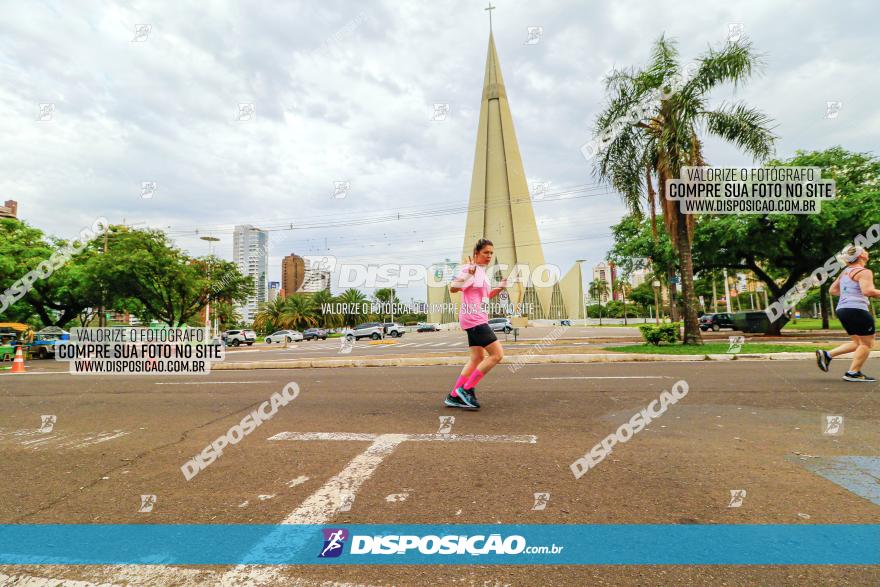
(812, 324)
(713, 348)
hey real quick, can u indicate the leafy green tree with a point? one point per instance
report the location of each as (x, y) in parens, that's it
(665, 138)
(143, 270)
(643, 294)
(54, 300)
(783, 249)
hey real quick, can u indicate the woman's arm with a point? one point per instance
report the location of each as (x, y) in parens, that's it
(866, 283)
(459, 283)
(502, 285)
(835, 287)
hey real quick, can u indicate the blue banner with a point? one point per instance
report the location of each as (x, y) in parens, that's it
(484, 544)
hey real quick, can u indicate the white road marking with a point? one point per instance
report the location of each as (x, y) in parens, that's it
(298, 481)
(613, 377)
(318, 508)
(208, 382)
(34, 439)
(322, 505)
(396, 497)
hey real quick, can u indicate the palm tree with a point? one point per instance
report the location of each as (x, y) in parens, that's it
(385, 295)
(300, 312)
(353, 296)
(622, 286)
(270, 316)
(667, 139)
(597, 290)
(329, 319)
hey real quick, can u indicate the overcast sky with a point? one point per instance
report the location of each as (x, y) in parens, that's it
(344, 91)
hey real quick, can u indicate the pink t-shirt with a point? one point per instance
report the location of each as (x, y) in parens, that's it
(474, 294)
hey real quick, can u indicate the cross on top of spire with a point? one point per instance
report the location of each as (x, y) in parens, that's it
(489, 10)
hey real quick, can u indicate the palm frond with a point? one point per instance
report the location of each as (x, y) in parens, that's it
(747, 128)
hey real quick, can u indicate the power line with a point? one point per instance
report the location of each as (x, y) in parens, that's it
(394, 216)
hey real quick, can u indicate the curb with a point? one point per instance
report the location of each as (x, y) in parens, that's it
(531, 360)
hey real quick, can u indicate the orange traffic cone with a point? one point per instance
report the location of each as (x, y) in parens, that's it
(18, 363)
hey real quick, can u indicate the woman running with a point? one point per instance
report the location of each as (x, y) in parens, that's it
(486, 351)
(854, 285)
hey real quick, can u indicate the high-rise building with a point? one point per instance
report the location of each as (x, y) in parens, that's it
(293, 273)
(9, 209)
(316, 278)
(274, 288)
(607, 274)
(640, 276)
(500, 209)
(250, 253)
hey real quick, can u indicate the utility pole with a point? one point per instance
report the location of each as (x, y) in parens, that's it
(210, 240)
(102, 316)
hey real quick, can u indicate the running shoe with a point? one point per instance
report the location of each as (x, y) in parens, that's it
(455, 402)
(468, 397)
(858, 377)
(823, 359)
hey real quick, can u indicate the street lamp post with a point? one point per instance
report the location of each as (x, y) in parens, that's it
(210, 240)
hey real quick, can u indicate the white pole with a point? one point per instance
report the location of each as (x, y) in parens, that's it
(727, 292)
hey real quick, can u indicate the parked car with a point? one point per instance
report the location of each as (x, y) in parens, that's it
(372, 330)
(282, 335)
(314, 333)
(427, 328)
(499, 324)
(716, 322)
(239, 337)
(43, 346)
(394, 329)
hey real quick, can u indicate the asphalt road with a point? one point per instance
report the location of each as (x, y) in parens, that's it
(743, 425)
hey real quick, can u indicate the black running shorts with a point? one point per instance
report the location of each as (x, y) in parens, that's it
(480, 335)
(856, 322)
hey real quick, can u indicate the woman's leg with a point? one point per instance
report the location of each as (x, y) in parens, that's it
(477, 354)
(495, 353)
(866, 343)
(845, 348)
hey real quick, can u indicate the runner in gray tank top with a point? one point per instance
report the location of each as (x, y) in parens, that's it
(854, 285)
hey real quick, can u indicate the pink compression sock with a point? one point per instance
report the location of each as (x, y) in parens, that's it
(474, 379)
(458, 383)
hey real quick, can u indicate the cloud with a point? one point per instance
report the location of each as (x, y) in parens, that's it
(345, 92)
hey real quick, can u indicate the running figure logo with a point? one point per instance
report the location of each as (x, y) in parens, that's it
(736, 498)
(736, 344)
(47, 423)
(334, 541)
(833, 425)
(147, 503)
(446, 423)
(541, 501)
